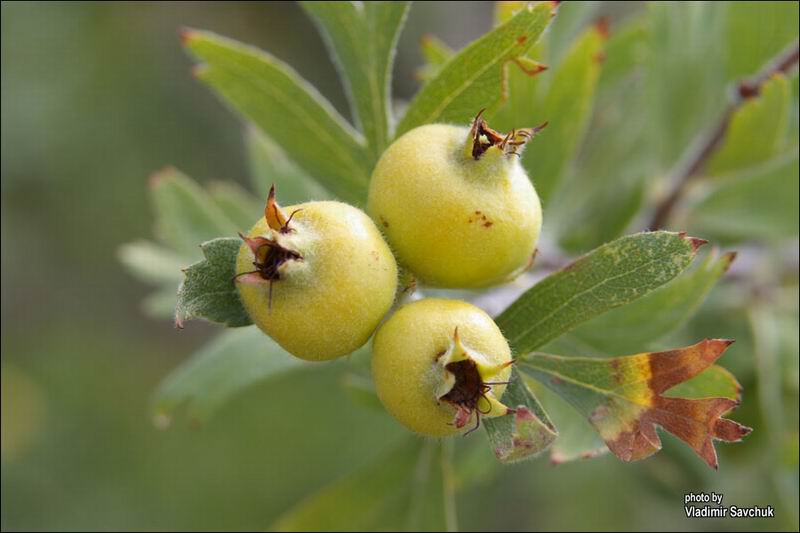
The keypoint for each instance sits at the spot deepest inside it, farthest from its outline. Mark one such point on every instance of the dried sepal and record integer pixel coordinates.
(482, 138)
(276, 218)
(269, 251)
(466, 384)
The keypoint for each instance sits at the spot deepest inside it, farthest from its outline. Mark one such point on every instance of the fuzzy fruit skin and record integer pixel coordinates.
(404, 356)
(452, 220)
(328, 304)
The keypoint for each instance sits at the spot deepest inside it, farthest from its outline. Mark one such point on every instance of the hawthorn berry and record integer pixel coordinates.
(440, 365)
(456, 205)
(316, 277)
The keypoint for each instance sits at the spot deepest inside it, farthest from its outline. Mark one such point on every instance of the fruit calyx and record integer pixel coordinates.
(268, 251)
(276, 218)
(482, 137)
(466, 384)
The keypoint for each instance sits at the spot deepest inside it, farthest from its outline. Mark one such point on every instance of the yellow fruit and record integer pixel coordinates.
(439, 365)
(456, 204)
(318, 281)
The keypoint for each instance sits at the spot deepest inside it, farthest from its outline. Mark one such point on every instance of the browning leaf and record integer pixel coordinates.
(622, 398)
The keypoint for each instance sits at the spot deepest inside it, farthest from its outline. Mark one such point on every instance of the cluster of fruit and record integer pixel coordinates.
(458, 211)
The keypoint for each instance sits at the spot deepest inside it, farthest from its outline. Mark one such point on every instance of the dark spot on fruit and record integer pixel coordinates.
(384, 222)
(599, 57)
(521, 39)
(477, 212)
(603, 27)
(487, 224)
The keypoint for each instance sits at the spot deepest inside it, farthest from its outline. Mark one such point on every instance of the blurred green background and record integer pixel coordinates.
(95, 98)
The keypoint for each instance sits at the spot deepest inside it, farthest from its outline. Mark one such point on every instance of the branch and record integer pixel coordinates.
(700, 152)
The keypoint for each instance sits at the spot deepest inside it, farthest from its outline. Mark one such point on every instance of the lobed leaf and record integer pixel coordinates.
(160, 304)
(154, 264)
(209, 290)
(151, 262)
(608, 277)
(362, 37)
(623, 398)
(276, 99)
(526, 433)
(269, 165)
(185, 214)
(224, 367)
(475, 77)
(239, 205)
(714, 382)
(577, 439)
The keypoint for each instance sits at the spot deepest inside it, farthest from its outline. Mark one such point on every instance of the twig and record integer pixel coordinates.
(692, 165)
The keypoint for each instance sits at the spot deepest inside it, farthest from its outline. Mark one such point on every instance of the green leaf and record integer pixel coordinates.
(160, 303)
(185, 214)
(572, 19)
(567, 107)
(625, 50)
(270, 166)
(362, 37)
(524, 434)
(576, 437)
(157, 265)
(436, 54)
(432, 505)
(759, 203)
(610, 276)
(233, 361)
(685, 75)
(757, 129)
(611, 210)
(755, 32)
(597, 198)
(151, 262)
(276, 99)
(474, 78)
(239, 206)
(623, 398)
(652, 317)
(401, 490)
(361, 390)
(209, 290)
